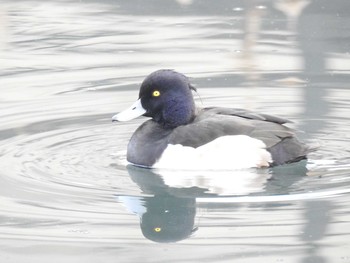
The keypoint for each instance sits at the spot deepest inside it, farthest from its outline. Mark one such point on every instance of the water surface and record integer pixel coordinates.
(67, 193)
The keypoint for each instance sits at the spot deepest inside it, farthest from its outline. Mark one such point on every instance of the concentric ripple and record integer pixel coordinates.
(86, 155)
(65, 158)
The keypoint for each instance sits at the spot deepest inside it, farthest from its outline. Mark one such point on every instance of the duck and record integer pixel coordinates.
(181, 135)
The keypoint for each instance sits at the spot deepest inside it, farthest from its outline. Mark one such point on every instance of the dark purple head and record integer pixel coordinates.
(167, 97)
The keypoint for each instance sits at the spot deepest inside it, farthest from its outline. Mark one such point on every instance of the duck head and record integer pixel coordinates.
(166, 97)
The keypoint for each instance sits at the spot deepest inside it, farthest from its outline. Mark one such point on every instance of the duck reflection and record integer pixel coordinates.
(168, 213)
(164, 218)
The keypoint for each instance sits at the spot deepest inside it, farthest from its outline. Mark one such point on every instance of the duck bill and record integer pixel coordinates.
(133, 112)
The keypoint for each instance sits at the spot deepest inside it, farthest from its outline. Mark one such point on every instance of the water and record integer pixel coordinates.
(66, 192)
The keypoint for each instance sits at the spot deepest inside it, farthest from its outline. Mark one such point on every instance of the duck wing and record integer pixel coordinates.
(212, 123)
(241, 113)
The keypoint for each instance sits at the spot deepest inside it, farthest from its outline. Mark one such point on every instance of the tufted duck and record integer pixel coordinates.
(179, 135)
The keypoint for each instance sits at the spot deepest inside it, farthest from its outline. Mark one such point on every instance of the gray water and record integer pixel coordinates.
(67, 194)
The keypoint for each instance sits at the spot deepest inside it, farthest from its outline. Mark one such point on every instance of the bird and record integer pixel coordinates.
(181, 135)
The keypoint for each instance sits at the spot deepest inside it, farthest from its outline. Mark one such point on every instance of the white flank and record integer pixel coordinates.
(224, 153)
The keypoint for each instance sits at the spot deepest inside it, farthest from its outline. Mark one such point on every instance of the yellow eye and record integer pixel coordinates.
(156, 93)
(157, 229)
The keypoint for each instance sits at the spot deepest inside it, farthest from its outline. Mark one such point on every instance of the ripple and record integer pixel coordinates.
(278, 198)
(86, 155)
(79, 158)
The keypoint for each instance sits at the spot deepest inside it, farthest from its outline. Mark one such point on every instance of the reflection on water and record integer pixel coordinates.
(167, 212)
(164, 218)
(66, 192)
